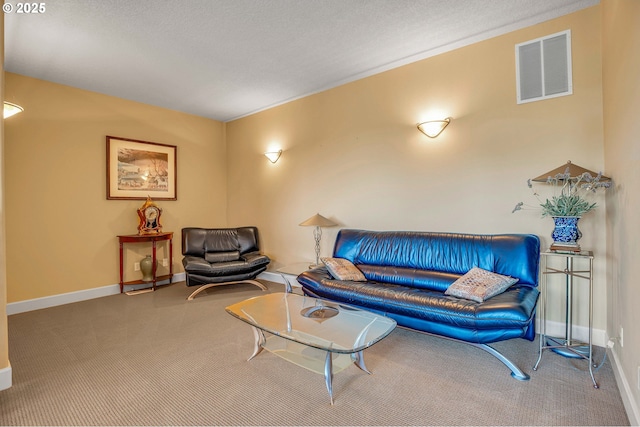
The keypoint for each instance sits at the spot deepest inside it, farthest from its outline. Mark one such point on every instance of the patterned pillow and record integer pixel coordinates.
(343, 269)
(479, 285)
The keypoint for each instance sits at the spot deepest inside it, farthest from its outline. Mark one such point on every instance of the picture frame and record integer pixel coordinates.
(138, 169)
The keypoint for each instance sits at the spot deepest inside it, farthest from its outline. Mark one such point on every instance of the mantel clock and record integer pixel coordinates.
(149, 218)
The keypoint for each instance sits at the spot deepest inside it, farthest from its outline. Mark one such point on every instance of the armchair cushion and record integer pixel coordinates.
(222, 256)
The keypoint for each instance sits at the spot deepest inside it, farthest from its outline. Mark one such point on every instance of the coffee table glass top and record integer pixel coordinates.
(314, 322)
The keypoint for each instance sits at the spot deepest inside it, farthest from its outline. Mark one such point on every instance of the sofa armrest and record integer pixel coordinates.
(315, 275)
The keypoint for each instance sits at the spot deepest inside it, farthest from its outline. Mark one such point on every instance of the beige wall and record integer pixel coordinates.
(61, 229)
(621, 47)
(354, 155)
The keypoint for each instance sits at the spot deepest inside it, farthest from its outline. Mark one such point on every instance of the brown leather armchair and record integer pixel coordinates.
(222, 256)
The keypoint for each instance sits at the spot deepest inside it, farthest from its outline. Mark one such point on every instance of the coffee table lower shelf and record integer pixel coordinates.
(306, 357)
(319, 361)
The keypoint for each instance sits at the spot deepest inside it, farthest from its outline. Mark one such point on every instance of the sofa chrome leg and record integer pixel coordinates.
(211, 285)
(515, 371)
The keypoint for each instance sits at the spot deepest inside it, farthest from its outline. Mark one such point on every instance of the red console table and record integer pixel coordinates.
(136, 238)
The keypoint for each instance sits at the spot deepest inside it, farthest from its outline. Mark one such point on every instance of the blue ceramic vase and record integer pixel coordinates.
(566, 230)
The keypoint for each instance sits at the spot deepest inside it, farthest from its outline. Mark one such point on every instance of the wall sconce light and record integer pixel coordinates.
(273, 156)
(433, 128)
(11, 109)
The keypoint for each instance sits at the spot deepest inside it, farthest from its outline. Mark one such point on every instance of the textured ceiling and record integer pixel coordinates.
(225, 59)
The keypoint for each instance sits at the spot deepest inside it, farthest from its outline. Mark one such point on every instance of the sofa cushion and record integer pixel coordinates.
(343, 269)
(511, 309)
(479, 285)
(421, 279)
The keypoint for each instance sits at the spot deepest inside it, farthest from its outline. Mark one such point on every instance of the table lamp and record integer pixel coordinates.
(318, 221)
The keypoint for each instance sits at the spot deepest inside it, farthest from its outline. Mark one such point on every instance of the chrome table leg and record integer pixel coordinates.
(328, 374)
(358, 359)
(259, 341)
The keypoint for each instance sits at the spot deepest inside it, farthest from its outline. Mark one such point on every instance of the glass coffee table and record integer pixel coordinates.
(322, 336)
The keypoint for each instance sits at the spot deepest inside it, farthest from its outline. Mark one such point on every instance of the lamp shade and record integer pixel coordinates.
(574, 171)
(318, 221)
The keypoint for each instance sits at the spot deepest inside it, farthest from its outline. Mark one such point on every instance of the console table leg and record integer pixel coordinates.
(154, 265)
(593, 380)
(121, 269)
(170, 261)
(535, 367)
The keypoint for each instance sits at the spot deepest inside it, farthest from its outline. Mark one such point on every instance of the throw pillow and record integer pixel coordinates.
(343, 269)
(479, 285)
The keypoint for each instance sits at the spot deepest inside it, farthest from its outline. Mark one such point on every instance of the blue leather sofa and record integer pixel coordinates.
(408, 272)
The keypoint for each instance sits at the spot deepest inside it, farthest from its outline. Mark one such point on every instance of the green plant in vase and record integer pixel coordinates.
(566, 205)
(569, 201)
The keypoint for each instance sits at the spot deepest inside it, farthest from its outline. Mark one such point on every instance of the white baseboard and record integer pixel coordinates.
(70, 297)
(272, 277)
(630, 405)
(580, 333)
(67, 298)
(5, 378)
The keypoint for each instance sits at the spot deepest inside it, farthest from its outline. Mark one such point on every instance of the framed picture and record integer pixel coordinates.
(140, 169)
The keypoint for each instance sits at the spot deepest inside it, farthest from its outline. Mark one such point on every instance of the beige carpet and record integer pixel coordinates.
(157, 359)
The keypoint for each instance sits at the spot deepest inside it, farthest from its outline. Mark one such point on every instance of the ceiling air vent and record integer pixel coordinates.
(543, 68)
